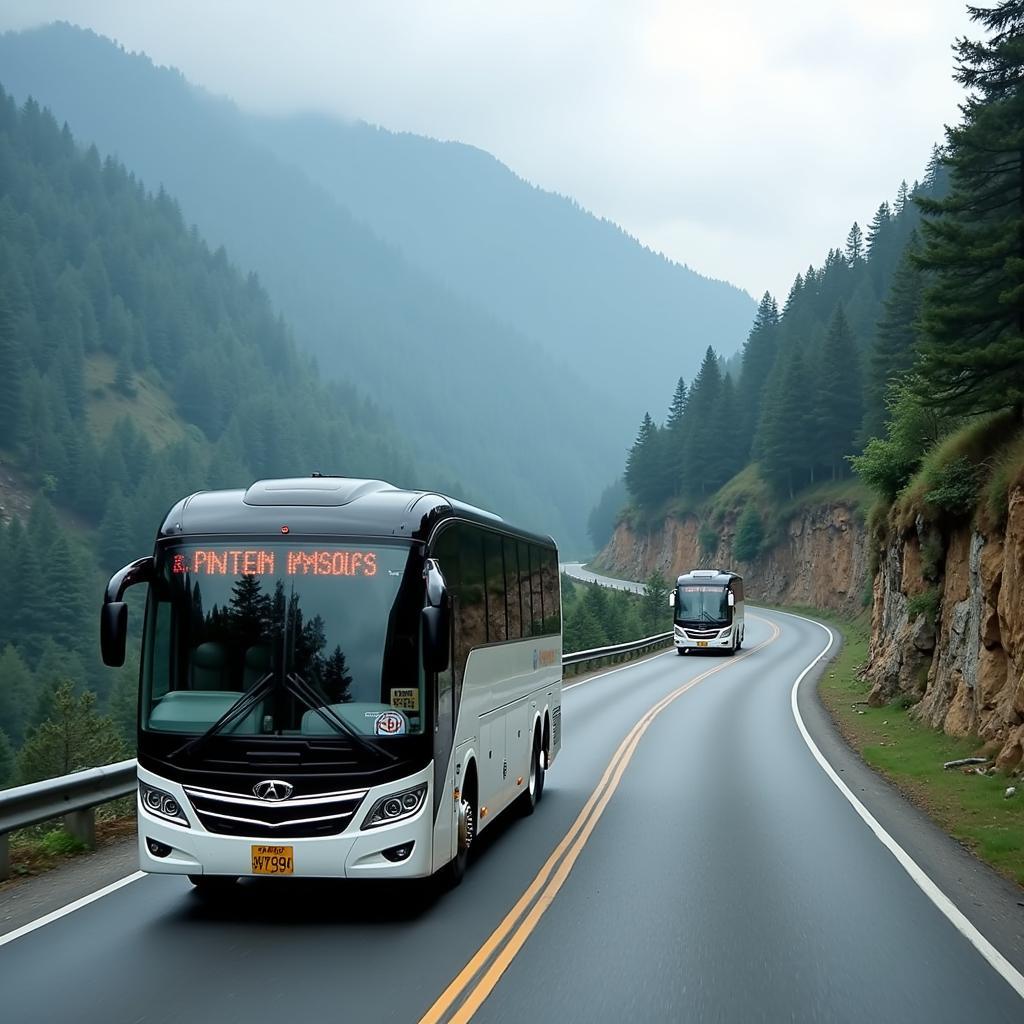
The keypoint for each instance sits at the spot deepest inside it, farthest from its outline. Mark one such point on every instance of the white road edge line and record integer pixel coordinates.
(71, 907)
(945, 905)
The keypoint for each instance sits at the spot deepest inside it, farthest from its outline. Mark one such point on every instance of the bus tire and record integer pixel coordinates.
(530, 797)
(455, 870)
(680, 652)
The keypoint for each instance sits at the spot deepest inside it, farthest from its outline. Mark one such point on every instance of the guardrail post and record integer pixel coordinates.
(5, 858)
(82, 825)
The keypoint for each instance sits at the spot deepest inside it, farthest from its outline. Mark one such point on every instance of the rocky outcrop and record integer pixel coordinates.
(948, 630)
(789, 571)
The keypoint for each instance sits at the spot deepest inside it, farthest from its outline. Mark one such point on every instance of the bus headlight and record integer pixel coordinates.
(396, 806)
(162, 804)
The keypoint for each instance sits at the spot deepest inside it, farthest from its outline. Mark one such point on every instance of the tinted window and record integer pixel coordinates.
(496, 626)
(525, 588)
(471, 611)
(535, 584)
(550, 590)
(512, 598)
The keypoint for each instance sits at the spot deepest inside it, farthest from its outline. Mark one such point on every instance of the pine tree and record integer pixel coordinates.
(759, 354)
(6, 761)
(73, 737)
(902, 196)
(703, 445)
(643, 468)
(879, 226)
(972, 321)
(784, 442)
(855, 245)
(673, 442)
(838, 406)
(17, 694)
(892, 352)
(656, 615)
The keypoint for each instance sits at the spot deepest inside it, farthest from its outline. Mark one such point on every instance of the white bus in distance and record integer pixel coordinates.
(708, 611)
(339, 678)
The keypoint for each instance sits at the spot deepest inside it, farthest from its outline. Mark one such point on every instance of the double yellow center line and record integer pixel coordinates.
(474, 983)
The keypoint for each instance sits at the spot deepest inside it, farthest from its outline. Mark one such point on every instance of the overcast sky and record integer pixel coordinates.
(742, 141)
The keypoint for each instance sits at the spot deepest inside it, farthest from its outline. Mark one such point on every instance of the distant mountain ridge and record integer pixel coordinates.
(576, 283)
(472, 332)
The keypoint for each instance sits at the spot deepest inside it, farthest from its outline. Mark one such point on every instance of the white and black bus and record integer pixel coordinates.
(708, 611)
(339, 678)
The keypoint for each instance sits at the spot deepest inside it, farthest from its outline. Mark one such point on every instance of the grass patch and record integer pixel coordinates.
(973, 445)
(150, 406)
(911, 754)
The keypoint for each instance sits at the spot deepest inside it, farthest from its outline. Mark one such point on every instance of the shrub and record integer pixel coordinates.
(926, 604)
(954, 488)
(707, 537)
(59, 843)
(749, 535)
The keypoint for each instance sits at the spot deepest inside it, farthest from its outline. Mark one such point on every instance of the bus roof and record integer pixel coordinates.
(709, 577)
(320, 504)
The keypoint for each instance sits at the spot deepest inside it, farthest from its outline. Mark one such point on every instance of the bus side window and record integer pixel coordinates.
(526, 591)
(472, 617)
(512, 596)
(550, 591)
(497, 627)
(535, 582)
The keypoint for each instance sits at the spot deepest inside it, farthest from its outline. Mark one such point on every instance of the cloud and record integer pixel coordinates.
(742, 140)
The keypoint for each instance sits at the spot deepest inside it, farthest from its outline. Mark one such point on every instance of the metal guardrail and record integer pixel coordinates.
(614, 650)
(71, 796)
(74, 796)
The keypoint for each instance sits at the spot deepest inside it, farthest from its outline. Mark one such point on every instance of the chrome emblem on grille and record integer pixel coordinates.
(273, 789)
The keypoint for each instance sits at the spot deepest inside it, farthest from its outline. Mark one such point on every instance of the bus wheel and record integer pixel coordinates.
(455, 870)
(535, 783)
(680, 651)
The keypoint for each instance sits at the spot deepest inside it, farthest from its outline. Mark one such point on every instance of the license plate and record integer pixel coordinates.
(273, 860)
(702, 643)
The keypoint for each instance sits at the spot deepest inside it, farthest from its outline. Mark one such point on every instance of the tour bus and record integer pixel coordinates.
(708, 606)
(338, 678)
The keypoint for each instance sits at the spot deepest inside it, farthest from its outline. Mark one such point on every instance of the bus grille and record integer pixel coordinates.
(701, 634)
(228, 815)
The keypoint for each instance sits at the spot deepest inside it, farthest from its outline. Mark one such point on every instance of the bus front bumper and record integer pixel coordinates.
(168, 848)
(702, 642)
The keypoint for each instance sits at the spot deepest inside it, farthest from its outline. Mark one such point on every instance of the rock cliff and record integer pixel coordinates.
(788, 571)
(948, 629)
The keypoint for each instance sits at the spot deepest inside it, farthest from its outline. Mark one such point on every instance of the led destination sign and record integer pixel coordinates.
(265, 562)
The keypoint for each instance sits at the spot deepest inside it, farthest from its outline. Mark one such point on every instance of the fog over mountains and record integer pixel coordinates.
(479, 312)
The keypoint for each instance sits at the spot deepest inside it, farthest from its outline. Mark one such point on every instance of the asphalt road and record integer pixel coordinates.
(696, 864)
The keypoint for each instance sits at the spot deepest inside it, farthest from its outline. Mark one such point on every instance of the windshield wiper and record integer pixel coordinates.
(242, 706)
(314, 701)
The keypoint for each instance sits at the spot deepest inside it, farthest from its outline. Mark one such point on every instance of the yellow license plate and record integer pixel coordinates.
(702, 643)
(273, 860)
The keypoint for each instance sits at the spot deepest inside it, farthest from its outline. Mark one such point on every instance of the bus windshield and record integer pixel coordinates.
(284, 639)
(695, 603)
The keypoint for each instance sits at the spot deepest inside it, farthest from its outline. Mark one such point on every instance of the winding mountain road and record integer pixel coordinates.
(692, 860)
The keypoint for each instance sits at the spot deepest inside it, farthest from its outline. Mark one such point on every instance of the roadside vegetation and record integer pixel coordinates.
(971, 806)
(596, 616)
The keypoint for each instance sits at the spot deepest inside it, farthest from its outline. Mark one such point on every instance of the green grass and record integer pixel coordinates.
(150, 407)
(979, 442)
(969, 807)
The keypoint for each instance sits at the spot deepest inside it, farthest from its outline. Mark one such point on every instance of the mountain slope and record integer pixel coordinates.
(470, 392)
(577, 284)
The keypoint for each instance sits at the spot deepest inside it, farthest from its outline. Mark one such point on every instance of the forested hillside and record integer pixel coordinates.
(136, 365)
(814, 379)
(464, 375)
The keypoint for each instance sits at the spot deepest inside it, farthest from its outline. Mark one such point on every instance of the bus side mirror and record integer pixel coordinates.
(732, 599)
(436, 638)
(114, 613)
(113, 632)
(672, 599)
(436, 619)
